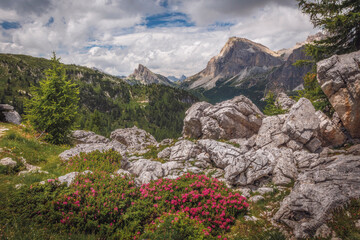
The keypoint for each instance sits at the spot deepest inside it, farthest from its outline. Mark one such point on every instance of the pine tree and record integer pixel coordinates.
(53, 107)
(340, 19)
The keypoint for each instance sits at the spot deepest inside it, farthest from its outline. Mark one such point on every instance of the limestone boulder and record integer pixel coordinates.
(328, 184)
(283, 101)
(192, 125)
(181, 151)
(329, 131)
(235, 118)
(302, 124)
(133, 138)
(8, 114)
(339, 77)
(85, 137)
(91, 147)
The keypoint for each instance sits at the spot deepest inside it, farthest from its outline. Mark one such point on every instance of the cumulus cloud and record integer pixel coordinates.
(171, 37)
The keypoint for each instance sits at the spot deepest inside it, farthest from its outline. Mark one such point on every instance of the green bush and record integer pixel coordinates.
(272, 107)
(108, 161)
(176, 227)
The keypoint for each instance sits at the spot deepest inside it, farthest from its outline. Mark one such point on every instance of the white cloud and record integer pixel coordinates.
(110, 35)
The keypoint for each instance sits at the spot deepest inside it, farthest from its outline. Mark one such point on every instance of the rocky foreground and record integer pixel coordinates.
(254, 150)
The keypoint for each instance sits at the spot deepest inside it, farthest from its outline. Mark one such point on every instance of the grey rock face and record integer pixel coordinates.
(220, 154)
(181, 151)
(329, 131)
(69, 178)
(284, 101)
(133, 138)
(271, 133)
(301, 123)
(193, 127)
(85, 137)
(235, 118)
(339, 77)
(8, 114)
(87, 148)
(318, 191)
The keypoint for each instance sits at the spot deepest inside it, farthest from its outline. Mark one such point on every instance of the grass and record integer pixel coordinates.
(344, 219)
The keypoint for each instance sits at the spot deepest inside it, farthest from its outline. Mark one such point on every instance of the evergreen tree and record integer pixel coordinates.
(272, 107)
(53, 107)
(340, 19)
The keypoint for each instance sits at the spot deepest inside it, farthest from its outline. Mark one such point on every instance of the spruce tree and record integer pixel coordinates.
(340, 19)
(53, 107)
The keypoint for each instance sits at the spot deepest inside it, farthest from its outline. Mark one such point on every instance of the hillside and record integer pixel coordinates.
(248, 68)
(106, 102)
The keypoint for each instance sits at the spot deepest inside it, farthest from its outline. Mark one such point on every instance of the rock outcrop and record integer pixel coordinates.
(339, 77)
(91, 147)
(8, 114)
(133, 138)
(318, 191)
(86, 137)
(235, 118)
(284, 101)
(254, 150)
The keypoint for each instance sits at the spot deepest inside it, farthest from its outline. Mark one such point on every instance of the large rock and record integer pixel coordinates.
(329, 131)
(339, 77)
(318, 191)
(302, 125)
(192, 124)
(235, 118)
(133, 138)
(253, 166)
(220, 154)
(85, 137)
(283, 101)
(8, 114)
(181, 151)
(90, 147)
(271, 133)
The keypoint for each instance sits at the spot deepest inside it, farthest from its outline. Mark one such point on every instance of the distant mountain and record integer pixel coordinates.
(144, 76)
(175, 79)
(248, 68)
(106, 102)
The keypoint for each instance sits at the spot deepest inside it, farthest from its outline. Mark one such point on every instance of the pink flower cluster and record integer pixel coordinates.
(205, 199)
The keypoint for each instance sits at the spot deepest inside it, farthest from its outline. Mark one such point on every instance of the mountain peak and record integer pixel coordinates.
(238, 58)
(145, 76)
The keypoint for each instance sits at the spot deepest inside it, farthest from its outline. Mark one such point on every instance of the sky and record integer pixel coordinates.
(170, 37)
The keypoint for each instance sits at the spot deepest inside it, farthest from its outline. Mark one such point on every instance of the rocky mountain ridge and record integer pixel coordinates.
(249, 68)
(144, 76)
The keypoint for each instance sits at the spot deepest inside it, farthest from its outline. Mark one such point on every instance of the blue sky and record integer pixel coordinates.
(171, 37)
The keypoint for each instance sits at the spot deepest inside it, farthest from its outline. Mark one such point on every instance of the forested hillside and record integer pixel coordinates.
(106, 102)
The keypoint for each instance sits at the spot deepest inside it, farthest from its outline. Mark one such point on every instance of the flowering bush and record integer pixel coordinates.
(113, 207)
(204, 199)
(108, 161)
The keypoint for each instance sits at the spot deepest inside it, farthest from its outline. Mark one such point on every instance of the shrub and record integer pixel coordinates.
(113, 207)
(177, 226)
(108, 161)
(272, 107)
(205, 199)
